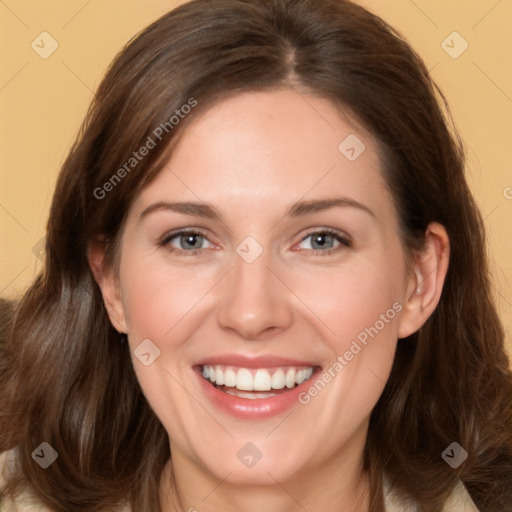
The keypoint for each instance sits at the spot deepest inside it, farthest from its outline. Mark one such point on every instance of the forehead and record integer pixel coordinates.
(256, 150)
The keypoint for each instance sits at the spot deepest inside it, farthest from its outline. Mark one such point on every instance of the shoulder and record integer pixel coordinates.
(458, 501)
(24, 502)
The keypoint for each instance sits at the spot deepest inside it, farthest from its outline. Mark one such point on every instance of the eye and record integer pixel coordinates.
(190, 242)
(323, 241)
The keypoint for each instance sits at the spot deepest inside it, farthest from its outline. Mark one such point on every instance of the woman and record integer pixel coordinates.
(331, 343)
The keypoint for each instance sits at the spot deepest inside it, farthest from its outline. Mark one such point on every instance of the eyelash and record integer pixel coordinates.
(344, 241)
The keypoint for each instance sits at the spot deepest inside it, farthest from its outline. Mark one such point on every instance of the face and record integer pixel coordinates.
(266, 257)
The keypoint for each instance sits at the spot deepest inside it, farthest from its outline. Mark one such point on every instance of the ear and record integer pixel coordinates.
(426, 281)
(108, 283)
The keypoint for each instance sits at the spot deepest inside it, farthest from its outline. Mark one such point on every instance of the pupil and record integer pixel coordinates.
(190, 239)
(320, 240)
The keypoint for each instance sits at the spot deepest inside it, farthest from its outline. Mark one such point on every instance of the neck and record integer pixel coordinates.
(336, 485)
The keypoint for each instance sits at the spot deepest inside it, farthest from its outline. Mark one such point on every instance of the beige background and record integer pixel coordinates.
(43, 101)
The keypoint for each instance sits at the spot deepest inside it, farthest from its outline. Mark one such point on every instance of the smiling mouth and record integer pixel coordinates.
(255, 383)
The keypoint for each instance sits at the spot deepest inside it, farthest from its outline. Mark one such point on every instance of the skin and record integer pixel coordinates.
(251, 157)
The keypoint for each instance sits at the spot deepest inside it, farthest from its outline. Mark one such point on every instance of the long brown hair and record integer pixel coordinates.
(70, 382)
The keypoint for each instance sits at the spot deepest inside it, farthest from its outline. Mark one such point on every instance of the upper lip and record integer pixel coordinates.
(262, 361)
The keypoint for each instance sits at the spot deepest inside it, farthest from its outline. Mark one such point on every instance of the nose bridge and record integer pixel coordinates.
(254, 299)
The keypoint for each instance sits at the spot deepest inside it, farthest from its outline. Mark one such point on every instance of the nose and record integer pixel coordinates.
(255, 302)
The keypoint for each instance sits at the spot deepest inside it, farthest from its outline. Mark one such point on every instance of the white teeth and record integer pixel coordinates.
(261, 379)
(219, 376)
(303, 375)
(230, 378)
(290, 378)
(251, 395)
(278, 381)
(244, 380)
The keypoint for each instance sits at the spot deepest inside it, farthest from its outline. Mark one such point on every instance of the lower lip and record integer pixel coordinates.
(258, 408)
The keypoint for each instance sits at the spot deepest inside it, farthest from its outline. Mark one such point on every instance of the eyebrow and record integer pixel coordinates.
(299, 209)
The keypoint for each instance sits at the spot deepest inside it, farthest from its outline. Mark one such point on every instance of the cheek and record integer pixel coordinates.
(359, 312)
(359, 308)
(161, 306)
(364, 312)
(157, 297)
(356, 302)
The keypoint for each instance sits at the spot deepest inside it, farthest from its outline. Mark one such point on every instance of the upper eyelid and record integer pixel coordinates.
(173, 234)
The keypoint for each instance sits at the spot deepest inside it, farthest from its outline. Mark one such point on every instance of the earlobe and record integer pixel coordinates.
(426, 282)
(108, 284)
